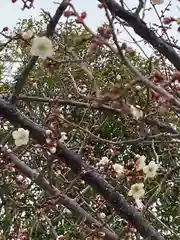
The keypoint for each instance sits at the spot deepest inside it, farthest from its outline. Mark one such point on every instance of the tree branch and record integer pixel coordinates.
(142, 30)
(69, 203)
(89, 175)
(104, 108)
(20, 81)
(139, 7)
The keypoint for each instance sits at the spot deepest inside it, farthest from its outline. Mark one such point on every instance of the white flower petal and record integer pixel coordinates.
(137, 190)
(42, 47)
(15, 134)
(135, 112)
(52, 150)
(102, 215)
(145, 169)
(103, 161)
(130, 193)
(151, 169)
(27, 35)
(119, 169)
(48, 132)
(20, 136)
(140, 163)
(139, 204)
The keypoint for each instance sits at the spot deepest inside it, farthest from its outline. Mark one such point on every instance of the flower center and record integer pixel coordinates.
(136, 189)
(22, 136)
(150, 169)
(42, 48)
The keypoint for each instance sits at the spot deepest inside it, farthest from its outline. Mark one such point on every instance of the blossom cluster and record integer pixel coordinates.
(150, 170)
(137, 190)
(21, 137)
(41, 46)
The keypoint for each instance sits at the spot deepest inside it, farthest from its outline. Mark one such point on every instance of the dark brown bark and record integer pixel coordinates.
(114, 198)
(59, 197)
(143, 31)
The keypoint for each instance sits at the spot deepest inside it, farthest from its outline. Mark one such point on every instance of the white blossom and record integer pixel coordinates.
(175, 140)
(35, 85)
(138, 87)
(140, 163)
(42, 47)
(119, 169)
(27, 35)
(136, 113)
(20, 136)
(9, 150)
(66, 210)
(102, 215)
(137, 190)
(58, 173)
(19, 178)
(157, 2)
(103, 161)
(48, 132)
(48, 140)
(52, 150)
(118, 77)
(63, 137)
(139, 204)
(151, 169)
(6, 147)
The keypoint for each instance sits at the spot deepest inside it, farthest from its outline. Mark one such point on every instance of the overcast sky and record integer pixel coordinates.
(10, 13)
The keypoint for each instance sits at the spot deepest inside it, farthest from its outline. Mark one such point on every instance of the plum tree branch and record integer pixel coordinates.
(88, 174)
(143, 31)
(169, 97)
(139, 7)
(63, 199)
(104, 108)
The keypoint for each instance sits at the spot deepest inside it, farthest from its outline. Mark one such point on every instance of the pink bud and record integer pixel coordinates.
(5, 29)
(79, 20)
(168, 20)
(100, 5)
(19, 178)
(83, 15)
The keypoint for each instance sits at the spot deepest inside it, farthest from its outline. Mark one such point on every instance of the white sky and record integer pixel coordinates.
(10, 13)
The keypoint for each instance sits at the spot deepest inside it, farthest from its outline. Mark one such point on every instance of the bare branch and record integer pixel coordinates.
(139, 7)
